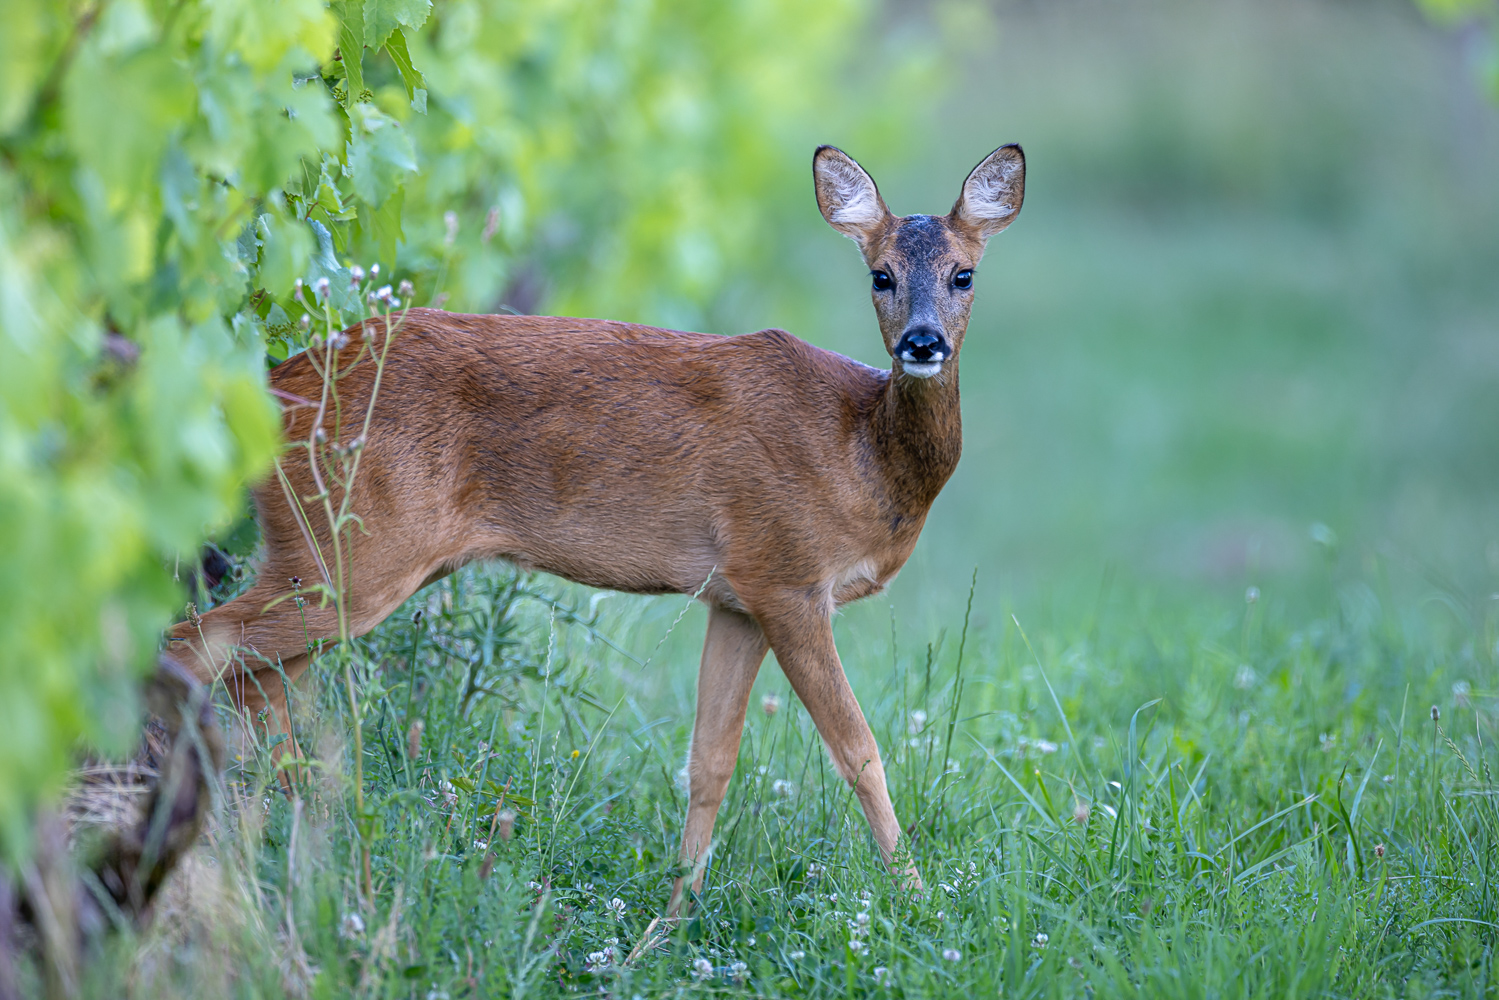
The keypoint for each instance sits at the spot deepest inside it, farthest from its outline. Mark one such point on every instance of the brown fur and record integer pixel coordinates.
(642, 460)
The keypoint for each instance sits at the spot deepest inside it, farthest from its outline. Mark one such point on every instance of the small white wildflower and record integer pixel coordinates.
(1252, 595)
(880, 972)
(941, 915)
(1080, 813)
(797, 956)
(1245, 678)
(702, 969)
(534, 886)
(814, 870)
(1328, 741)
(320, 286)
(857, 946)
(918, 722)
(1461, 690)
(406, 289)
(1041, 939)
(480, 847)
(782, 788)
(449, 794)
(384, 294)
(738, 972)
(351, 927)
(952, 954)
(770, 704)
(356, 275)
(374, 270)
(832, 897)
(617, 905)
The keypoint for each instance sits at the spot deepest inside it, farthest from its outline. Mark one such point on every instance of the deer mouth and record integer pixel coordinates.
(920, 369)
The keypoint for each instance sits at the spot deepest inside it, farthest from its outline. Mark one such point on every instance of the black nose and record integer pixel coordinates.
(921, 344)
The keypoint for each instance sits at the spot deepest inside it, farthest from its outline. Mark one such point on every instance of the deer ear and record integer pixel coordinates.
(847, 195)
(992, 193)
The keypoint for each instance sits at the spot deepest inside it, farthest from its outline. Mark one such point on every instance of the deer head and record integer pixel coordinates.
(921, 266)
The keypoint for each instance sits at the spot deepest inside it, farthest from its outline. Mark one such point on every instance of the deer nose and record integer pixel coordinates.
(922, 345)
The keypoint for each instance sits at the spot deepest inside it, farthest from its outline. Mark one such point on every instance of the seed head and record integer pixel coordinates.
(406, 288)
(1081, 812)
(356, 275)
(952, 954)
(507, 824)
(374, 270)
(296, 291)
(414, 740)
(770, 704)
(1379, 850)
(1436, 713)
(321, 287)
(305, 322)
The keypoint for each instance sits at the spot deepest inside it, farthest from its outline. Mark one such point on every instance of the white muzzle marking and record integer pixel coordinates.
(921, 369)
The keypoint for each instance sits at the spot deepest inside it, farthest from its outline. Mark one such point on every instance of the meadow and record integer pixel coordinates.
(1232, 800)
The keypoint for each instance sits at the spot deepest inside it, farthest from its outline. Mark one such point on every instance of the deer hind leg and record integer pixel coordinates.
(248, 644)
(732, 653)
(801, 634)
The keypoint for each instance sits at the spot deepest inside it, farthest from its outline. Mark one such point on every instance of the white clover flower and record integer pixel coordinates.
(797, 956)
(880, 972)
(351, 927)
(952, 954)
(1040, 940)
(617, 905)
(782, 788)
(702, 969)
(738, 972)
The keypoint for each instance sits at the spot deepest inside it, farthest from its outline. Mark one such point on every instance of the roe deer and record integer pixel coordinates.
(789, 478)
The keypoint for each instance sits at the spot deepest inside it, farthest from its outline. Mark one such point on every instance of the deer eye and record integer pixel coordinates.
(883, 282)
(963, 279)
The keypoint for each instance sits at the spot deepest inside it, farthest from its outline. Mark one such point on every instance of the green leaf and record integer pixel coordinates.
(384, 225)
(416, 84)
(382, 17)
(380, 154)
(351, 39)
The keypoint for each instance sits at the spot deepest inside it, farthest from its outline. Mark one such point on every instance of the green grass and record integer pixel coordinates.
(1153, 799)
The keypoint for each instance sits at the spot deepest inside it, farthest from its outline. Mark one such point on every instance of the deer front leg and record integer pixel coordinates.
(802, 636)
(732, 653)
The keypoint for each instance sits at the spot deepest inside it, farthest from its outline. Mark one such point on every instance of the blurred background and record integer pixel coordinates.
(1246, 329)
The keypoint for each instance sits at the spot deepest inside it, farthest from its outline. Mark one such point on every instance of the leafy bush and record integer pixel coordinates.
(169, 171)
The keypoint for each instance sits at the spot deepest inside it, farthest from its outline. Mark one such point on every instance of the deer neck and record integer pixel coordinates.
(917, 431)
